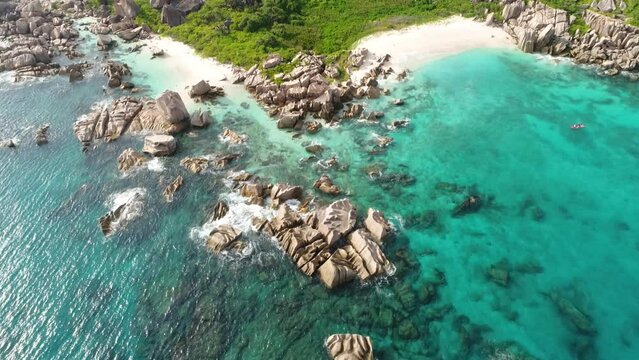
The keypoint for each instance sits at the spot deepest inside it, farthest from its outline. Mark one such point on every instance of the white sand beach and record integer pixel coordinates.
(414, 46)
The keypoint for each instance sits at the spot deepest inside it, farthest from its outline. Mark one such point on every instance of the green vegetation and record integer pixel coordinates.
(287, 26)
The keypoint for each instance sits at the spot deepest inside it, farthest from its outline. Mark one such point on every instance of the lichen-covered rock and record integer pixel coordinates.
(160, 145)
(130, 159)
(349, 347)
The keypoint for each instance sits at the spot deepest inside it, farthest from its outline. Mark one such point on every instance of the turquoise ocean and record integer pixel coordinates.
(556, 241)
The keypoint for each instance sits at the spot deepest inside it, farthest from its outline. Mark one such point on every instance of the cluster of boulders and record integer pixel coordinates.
(166, 115)
(121, 25)
(174, 12)
(325, 241)
(203, 91)
(610, 43)
(308, 89)
(349, 347)
(115, 72)
(35, 33)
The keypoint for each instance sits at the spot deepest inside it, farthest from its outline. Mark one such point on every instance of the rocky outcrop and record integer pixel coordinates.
(116, 71)
(318, 241)
(306, 90)
(130, 159)
(160, 145)
(34, 34)
(224, 237)
(537, 27)
(7, 143)
(349, 347)
(174, 12)
(610, 43)
(174, 186)
(123, 115)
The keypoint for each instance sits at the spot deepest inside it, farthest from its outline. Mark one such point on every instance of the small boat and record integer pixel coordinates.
(577, 126)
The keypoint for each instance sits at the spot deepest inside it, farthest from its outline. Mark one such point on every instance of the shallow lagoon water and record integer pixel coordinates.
(558, 215)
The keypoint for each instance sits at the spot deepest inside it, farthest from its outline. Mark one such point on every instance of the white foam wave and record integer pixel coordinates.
(134, 200)
(239, 216)
(155, 165)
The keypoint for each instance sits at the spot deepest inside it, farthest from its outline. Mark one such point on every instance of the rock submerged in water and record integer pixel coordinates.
(174, 186)
(200, 119)
(233, 137)
(160, 145)
(42, 135)
(349, 347)
(130, 159)
(470, 205)
(117, 215)
(578, 318)
(7, 143)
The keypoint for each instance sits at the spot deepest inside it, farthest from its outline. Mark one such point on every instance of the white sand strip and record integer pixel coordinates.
(414, 46)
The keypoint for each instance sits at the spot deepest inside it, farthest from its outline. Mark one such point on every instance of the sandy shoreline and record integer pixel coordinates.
(409, 48)
(414, 46)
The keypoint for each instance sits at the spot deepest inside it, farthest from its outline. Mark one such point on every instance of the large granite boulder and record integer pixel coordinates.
(126, 8)
(337, 220)
(283, 192)
(349, 347)
(172, 106)
(199, 89)
(189, 6)
(160, 145)
(171, 16)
